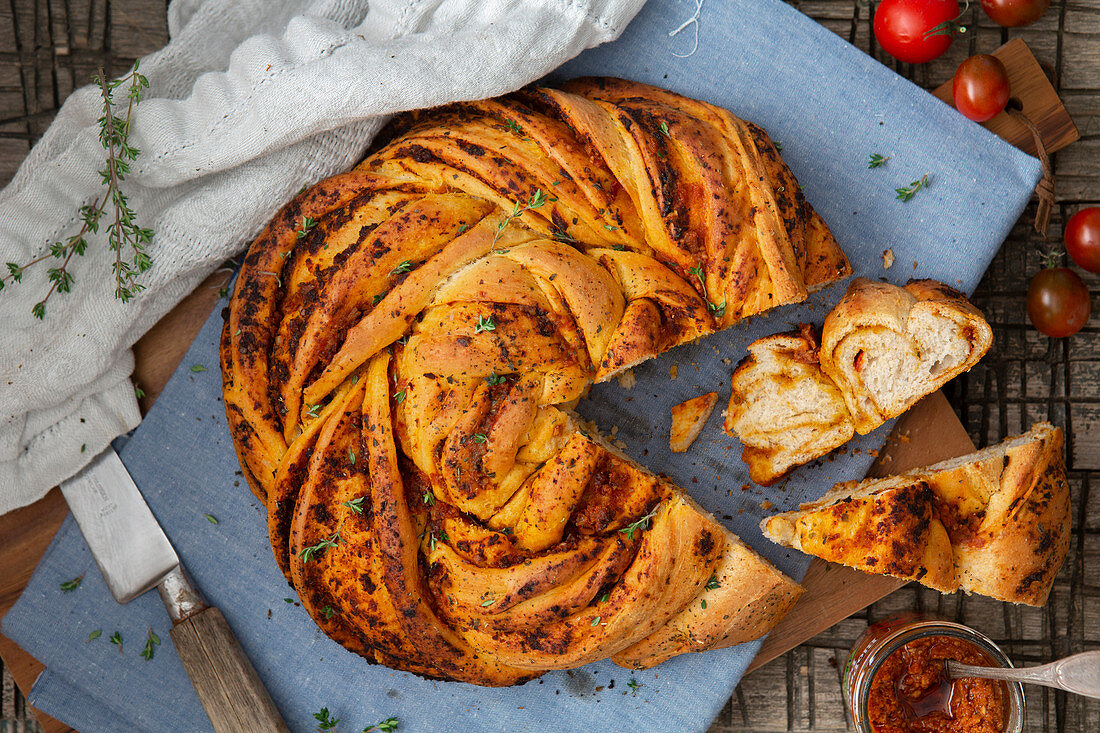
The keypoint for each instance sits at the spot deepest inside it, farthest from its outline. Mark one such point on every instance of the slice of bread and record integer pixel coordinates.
(783, 408)
(886, 347)
(995, 522)
(883, 348)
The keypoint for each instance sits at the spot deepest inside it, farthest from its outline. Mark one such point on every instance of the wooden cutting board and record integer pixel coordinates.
(928, 433)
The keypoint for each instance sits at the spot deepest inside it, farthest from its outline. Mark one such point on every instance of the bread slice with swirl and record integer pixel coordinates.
(882, 349)
(405, 343)
(785, 410)
(885, 347)
(995, 522)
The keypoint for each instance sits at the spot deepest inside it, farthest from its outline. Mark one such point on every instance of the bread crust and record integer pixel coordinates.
(405, 342)
(996, 522)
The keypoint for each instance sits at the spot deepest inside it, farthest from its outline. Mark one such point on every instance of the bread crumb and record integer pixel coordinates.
(614, 430)
(627, 380)
(727, 360)
(673, 371)
(766, 505)
(887, 259)
(914, 264)
(688, 419)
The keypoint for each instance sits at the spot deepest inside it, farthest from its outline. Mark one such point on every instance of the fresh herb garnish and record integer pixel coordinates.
(907, 192)
(329, 611)
(314, 551)
(307, 225)
(152, 641)
(313, 410)
(639, 525)
(596, 621)
(138, 391)
(489, 602)
(356, 505)
(877, 160)
(95, 634)
(485, 324)
(514, 127)
(378, 298)
(70, 585)
(386, 726)
(211, 518)
(713, 583)
(664, 128)
(698, 272)
(495, 379)
(325, 721)
(351, 456)
(703, 604)
(399, 397)
(537, 199)
(480, 437)
(116, 639)
(429, 498)
(634, 686)
(198, 368)
(406, 266)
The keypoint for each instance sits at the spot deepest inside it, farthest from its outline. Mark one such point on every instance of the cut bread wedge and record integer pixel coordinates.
(882, 349)
(995, 522)
(783, 408)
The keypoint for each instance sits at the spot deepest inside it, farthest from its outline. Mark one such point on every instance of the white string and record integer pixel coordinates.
(694, 19)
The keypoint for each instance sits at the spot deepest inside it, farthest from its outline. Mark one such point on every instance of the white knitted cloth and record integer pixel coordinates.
(249, 101)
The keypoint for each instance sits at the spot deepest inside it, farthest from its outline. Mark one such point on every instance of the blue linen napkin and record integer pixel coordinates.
(830, 106)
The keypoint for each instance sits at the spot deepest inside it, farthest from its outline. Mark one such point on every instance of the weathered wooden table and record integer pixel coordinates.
(47, 47)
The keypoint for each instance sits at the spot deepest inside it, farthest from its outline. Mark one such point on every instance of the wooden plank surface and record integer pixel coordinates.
(49, 46)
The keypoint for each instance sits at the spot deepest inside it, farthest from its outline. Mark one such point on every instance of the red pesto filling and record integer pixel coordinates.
(910, 692)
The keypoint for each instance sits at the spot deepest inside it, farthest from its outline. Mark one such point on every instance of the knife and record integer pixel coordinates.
(134, 555)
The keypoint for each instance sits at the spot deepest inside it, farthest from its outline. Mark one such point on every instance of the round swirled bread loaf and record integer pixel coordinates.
(405, 342)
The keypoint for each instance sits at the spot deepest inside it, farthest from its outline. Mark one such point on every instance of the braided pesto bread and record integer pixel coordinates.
(405, 342)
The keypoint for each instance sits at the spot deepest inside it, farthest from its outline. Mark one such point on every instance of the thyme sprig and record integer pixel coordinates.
(877, 160)
(123, 232)
(315, 551)
(150, 643)
(386, 726)
(907, 192)
(639, 525)
(325, 721)
(536, 200)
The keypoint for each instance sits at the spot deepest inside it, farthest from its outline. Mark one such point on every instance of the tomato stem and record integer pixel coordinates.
(950, 27)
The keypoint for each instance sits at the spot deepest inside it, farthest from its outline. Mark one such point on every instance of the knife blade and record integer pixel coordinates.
(134, 555)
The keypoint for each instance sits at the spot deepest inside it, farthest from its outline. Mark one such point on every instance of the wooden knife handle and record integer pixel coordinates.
(230, 690)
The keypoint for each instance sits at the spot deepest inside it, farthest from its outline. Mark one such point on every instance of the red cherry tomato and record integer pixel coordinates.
(980, 87)
(1014, 13)
(1058, 302)
(1083, 238)
(903, 28)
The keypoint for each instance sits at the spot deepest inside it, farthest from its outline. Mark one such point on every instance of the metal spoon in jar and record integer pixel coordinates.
(1079, 674)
